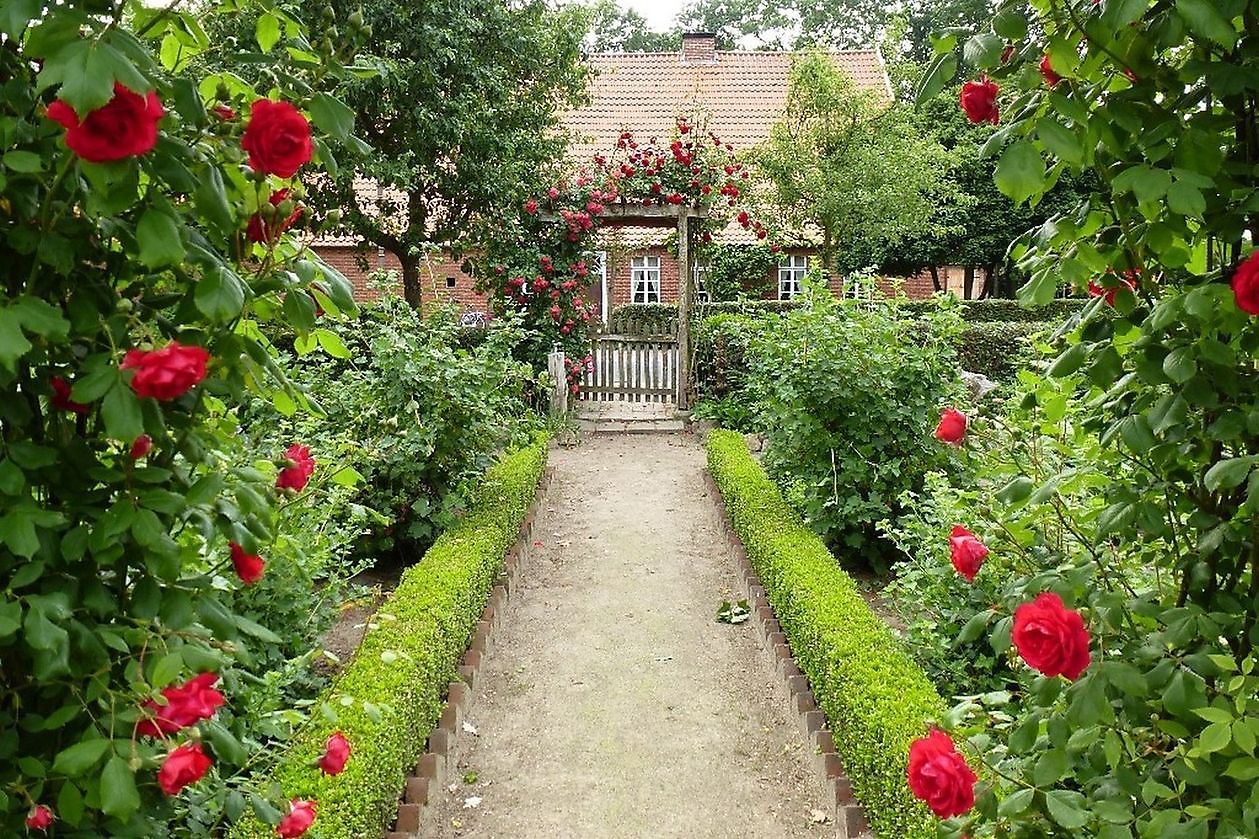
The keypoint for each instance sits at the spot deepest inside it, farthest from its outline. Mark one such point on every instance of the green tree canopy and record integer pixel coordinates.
(612, 28)
(850, 164)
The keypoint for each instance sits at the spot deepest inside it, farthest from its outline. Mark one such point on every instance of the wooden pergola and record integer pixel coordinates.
(679, 216)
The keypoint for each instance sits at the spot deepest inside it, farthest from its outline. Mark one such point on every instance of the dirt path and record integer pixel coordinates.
(612, 704)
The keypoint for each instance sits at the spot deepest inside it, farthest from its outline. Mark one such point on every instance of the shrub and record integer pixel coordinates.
(876, 699)
(1002, 310)
(997, 349)
(736, 272)
(643, 319)
(847, 396)
(396, 683)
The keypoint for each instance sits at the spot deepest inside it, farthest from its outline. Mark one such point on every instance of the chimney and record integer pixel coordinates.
(699, 48)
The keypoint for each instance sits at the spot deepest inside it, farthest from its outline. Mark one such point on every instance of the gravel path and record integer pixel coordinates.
(612, 704)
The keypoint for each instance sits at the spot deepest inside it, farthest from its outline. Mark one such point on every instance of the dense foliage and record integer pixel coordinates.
(1135, 567)
(141, 543)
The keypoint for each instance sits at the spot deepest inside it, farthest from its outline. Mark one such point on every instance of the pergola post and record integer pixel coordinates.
(684, 309)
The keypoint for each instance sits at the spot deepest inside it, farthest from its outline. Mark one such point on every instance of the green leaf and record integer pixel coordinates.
(10, 618)
(121, 412)
(13, 344)
(220, 295)
(167, 669)
(1016, 802)
(332, 343)
(80, 757)
(15, 15)
(1060, 141)
(332, 116)
(23, 161)
(1226, 474)
(158, 235)
(1243, 768)
(939, 74)
(119, 796)
(41, 318)
(983, 50)
(1050, 766)
(1067, 808)
(1016, 490)
(1204, 19)
(17, 531)
(1215, 737)
(267, 31)
(347, 476)
(211, 200)
(1070, 361)
(1020, 172)
(70, 804)
(1186, 199)
(1180, 365)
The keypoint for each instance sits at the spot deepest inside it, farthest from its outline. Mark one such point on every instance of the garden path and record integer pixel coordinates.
(612, 704)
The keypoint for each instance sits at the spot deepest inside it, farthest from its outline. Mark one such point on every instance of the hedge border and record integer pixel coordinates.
(876, 699)
(426, 624)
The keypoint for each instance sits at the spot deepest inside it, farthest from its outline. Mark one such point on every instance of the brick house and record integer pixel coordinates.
(740, 94)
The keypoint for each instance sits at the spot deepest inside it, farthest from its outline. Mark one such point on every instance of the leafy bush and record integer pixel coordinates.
(643, 319)
(847, 395)
(398, 678)
(876, 699)
(738, 272)
(1003, 311)
(416, 417)
(997, 349)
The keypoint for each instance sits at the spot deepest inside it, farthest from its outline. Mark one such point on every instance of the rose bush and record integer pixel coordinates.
(1149, 725)
(131, 329)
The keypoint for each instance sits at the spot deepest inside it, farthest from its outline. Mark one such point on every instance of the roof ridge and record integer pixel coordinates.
(677, 53)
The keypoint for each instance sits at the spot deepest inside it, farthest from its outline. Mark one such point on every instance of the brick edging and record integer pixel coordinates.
(424, 785)
(850, 817)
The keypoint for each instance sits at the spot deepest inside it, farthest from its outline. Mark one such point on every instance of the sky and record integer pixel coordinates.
(659, 13)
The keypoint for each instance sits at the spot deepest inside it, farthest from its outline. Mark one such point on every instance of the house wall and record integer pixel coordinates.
(435, 275)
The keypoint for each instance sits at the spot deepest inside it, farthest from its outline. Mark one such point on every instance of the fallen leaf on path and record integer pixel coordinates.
(819, 816)
(472, 802)
(470, 728)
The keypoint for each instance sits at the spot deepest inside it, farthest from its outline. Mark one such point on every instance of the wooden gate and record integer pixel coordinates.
(632, 368)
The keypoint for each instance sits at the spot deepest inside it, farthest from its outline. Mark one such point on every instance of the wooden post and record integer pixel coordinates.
(559, 392)
(684, 309)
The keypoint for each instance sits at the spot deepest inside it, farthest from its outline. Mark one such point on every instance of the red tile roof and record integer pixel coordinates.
(739, 95)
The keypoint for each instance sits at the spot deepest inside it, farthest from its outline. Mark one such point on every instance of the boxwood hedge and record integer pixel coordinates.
(400, 672)
(875, 697)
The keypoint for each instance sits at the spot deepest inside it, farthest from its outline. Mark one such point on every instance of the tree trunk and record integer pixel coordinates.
(411, 290)
(968, 283)
(935, 278)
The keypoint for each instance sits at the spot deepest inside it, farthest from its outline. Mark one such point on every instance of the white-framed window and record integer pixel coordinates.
(791, 271)
(699, 274)
(645, 279)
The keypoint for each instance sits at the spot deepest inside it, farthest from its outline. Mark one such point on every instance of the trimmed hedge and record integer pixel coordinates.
(423, 629)
(997, 349)
(876, 698)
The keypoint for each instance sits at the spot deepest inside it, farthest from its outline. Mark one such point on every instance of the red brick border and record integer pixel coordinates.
(850, 817)
(424, 785)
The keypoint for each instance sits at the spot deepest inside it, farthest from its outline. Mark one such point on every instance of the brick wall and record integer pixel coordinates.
(620, 291)
(435, 276)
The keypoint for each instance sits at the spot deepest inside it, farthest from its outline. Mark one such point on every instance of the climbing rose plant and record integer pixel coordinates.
(1130, 612)
(542, 268)
(145, 245)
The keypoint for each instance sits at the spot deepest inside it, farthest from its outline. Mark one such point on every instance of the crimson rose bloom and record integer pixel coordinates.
(301, 816)
(277, 138)
(142, 446)
(123, 127)
(979, 101)
(1096, 289)
(167, 373)
(966, 551)
(1246, 285)
(1050, 637)
(301, 467)
(952, 427)
(61, 397)
(1047, 71)
(186, 765)
(940, 776)
(265, 233)
(186, 705)
(531, 206)
(249, 567)
(40, 817)
(336, 752)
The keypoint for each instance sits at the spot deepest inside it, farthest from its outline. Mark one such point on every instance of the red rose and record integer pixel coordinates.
(979, 101)
(966, 551)
(1246, 285)
(1096, 289)
(552, 193)
(61, 397)
(336, 752)
(940, 776)
(223, 112)
(167, 373)
(186, 705)
(265, 233)
(142, 446)
(40, 817)
(249, 567)
(952, 427)
(1050, 637)
(300, 817)
(531, 206)
(1047, 71)
(123, 127)
(297, 474)
(186, 765)
(277, 138)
